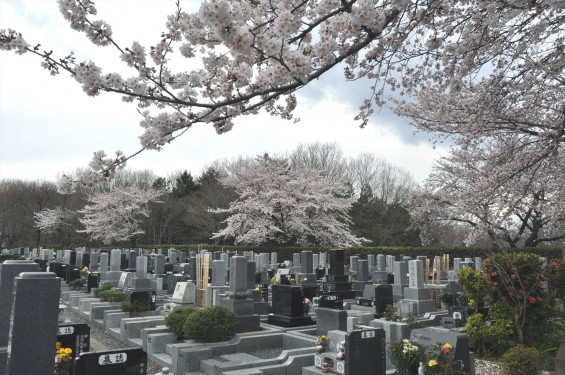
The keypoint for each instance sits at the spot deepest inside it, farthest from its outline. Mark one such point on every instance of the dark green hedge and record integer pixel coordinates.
(285, 252)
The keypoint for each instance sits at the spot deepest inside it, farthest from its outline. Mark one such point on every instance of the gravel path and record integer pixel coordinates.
(100, 341)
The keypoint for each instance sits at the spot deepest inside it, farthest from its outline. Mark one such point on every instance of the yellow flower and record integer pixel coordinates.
(432, 363)
(447, 346)
(324, 337)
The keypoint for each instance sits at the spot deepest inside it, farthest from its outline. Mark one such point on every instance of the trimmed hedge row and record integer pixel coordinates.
(285, 253)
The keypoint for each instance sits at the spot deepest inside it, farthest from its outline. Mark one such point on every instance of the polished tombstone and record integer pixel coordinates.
(335, 282)
(288, 307)
(237, 298)
(33, 324)
(8, 271)
(76, 337)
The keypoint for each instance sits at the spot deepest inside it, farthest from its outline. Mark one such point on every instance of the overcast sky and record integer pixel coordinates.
(49, 126)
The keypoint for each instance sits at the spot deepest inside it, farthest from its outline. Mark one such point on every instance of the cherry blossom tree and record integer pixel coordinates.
(278, 204)
(116, 215)
(253, 55)
(511, 212)
(60, 222)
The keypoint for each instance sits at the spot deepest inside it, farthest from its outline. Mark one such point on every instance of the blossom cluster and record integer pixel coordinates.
(256, 55)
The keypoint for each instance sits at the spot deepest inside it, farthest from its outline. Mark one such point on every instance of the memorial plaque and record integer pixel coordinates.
(365, 352)
(115, 362)
(76, 337)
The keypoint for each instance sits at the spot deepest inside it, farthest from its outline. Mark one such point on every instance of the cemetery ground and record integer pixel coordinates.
(193, 313)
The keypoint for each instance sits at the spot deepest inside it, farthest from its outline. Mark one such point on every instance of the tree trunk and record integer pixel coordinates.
(518, 327)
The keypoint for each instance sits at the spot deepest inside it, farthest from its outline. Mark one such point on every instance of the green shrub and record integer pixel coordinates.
(448, 297)
(212, 324)
(113, 296)
(101, 289)
(489, 340)
(474, 283)
(175, 320)
(78, 283)
(135, 306)
(521, 361)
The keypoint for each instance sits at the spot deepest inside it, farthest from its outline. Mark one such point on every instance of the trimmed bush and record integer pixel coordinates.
(521, 361)
(103, 288)
(135, 306)
(113, 296)
(212, 324)
(78, 283)
(176, 319)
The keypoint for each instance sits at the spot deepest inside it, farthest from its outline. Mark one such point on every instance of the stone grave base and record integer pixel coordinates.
(286, 321)
(248, 323)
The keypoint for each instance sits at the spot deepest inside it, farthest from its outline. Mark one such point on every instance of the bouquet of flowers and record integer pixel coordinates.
(405, 356)
(63, 359)
(321, 344)
(440, 360)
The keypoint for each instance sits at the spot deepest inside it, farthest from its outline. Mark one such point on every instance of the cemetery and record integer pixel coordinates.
(223, 313)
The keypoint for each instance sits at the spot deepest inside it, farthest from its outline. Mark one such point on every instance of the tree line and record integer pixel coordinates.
(182, 212)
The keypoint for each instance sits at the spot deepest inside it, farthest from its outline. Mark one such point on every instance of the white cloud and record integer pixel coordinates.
(49, 126)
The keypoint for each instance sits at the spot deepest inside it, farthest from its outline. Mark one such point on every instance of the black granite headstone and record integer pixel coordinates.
(331, 302)
(58, 269)
(383, 297)
(336, 262)
(146, 297)
(288, 307)
(93, 281)
(124, 262)
(86, 259)
(115, 362)
(74, 336)
(73, 258)
(72, 273)
(168, 269)
(365, 352)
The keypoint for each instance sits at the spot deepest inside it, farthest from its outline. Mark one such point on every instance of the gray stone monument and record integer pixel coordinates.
(353, 263)
(94, 261)
(8, 271)
(400, 280)
(417, 298)
(238, 295)
(380, 273)
(103, 262)
(33, 324)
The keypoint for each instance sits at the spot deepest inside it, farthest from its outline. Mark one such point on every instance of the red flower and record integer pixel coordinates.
(493, 273)
(539, 298)
(532, 300)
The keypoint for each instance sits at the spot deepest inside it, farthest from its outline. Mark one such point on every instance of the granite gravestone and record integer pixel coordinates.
(365, 352)
(115, 362)
(33, 323)
(288, 307)
(76, 337)
(8, 271)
